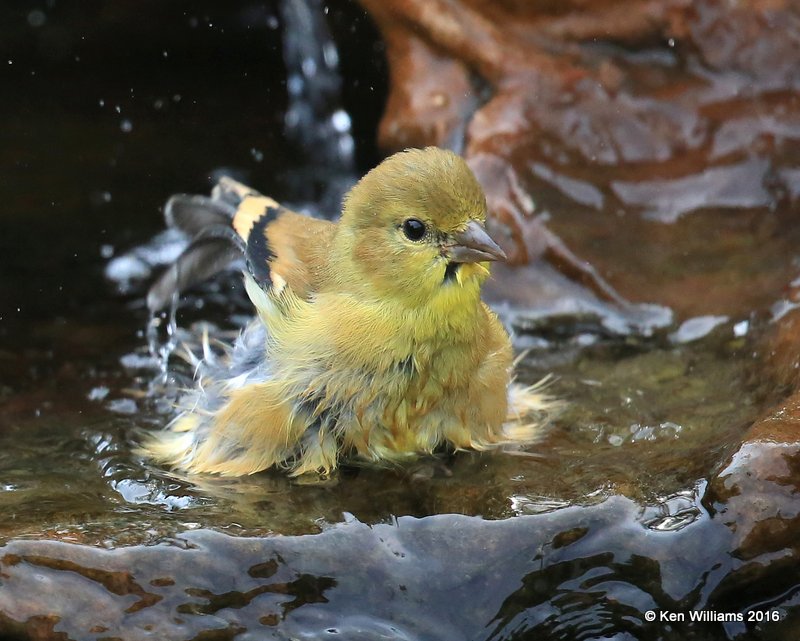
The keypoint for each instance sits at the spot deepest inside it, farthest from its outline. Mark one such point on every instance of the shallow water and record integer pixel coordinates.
(644, 421)
(625, 506)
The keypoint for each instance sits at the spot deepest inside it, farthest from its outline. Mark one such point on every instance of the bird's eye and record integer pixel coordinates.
(414, 229)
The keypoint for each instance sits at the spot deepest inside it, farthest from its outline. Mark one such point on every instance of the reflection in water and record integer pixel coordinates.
(577, 573)
(579, 561)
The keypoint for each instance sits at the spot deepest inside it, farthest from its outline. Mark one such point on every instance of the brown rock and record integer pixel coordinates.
(629, 99)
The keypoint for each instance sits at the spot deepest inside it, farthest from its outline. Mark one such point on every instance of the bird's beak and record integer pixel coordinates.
(474, 245)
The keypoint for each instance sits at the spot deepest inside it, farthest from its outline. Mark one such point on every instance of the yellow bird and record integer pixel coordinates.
(371, 338)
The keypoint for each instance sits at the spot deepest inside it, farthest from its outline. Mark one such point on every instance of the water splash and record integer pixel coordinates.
(314, 118)
(163, 324)
(315, 121)
(130, 270)
(676, 511)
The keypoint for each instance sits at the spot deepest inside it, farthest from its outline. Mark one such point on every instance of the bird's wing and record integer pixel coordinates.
(237, 224)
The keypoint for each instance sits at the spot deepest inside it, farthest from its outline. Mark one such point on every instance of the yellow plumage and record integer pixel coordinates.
(371, 338)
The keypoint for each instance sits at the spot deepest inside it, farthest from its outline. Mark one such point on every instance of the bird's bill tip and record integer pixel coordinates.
(474, 245)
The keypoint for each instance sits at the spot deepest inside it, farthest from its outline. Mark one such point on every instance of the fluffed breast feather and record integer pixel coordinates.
(370, 339)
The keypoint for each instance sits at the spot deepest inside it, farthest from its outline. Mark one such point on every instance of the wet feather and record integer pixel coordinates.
(370, 339)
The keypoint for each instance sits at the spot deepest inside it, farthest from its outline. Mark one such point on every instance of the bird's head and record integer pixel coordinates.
(414, 228)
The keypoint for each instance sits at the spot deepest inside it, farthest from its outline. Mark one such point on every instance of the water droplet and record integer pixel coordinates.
(346, 147)
(671, 42)
(741, 328)
(36, 18)
(665, 430)
(98, 393)
(341, 121)
(330, 54)
(292, 118)
(272, 22)
(100, 197)
(106, 251)
(163, 323)
(122, 406)
(101, 102)
(126, 126)
(309, 67)
(294, 84)
(135, 361)
(257, 154)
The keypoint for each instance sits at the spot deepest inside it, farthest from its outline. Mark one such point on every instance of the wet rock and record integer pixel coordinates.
(576, 572)
(755, 492)
(735, 186)
(755, 497)
(656, 110)
(780, 343)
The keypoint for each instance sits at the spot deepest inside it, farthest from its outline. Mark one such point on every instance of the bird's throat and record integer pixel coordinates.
(450, 272)
(460, 273)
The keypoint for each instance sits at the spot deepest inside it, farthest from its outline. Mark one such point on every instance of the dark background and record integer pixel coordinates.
(108, 108)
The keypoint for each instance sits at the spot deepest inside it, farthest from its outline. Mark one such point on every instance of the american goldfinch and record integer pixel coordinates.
(371, 339)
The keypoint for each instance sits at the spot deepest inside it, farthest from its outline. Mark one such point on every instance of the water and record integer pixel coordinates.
(641, 496)
(646, 423)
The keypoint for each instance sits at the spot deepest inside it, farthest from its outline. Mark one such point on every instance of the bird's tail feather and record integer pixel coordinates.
(192, 213)
(207, 255)
(218, 238)
(232, 192)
